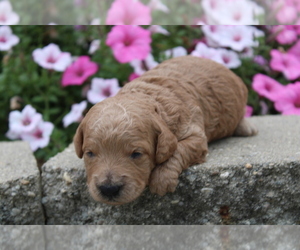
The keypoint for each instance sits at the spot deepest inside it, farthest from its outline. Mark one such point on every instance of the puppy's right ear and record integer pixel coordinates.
(78, 141)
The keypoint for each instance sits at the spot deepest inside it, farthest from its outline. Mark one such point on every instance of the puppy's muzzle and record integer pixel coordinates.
(110, 191)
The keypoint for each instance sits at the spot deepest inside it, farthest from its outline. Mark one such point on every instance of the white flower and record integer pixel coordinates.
(40, 136)
(96, 21)
(139, 65)
(102, 89)
(158, 5)
(22, 122)
(51, 57)
(7, 38)
(95, 44)
(158, 29)
(233, 12)
(230, 59)
(7, 16)
(75, 114)
(201, 50)
(176, 52)
(236, 37)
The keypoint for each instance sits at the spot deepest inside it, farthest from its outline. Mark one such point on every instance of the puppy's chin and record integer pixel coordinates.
(128, 194)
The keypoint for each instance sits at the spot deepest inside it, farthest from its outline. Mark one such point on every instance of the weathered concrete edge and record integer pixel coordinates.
(278, 202)
(20, 188)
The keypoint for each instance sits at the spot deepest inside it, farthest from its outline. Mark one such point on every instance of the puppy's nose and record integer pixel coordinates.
(109, 190)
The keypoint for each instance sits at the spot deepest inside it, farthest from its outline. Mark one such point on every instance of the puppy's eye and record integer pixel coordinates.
(135, 155)
(90, 154)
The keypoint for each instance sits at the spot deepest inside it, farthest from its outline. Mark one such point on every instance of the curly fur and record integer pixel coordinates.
(169, 115)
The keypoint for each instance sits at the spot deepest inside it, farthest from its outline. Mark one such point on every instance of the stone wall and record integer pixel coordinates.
(251, 180)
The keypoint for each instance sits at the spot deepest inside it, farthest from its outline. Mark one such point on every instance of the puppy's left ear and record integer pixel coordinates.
(166, 140)
(78, 141)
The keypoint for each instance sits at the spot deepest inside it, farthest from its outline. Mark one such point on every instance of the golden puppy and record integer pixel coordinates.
(158, 125)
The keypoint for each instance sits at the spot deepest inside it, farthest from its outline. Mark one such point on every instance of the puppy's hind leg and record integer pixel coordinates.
(245, 128)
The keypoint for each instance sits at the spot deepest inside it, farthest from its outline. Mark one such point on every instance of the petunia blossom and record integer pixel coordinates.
(230, 59)
(129, 43)
(158, 5)
(233, 12)
(51, 57)
(102, 89)
(133, 76)
(22, 122)
(248, 111)
(40, 136)
(7, 15)
(158, 29)
(7, 38)
(141, 66)
(289, 101)
(295, 50)
(175, 52)
(286, 63)
(201, 50)
(237, 37)
(75, 115)
(286, 10)
(94, 46)
(267, 87)
(285, 34)
(128, 12)
(79, 71)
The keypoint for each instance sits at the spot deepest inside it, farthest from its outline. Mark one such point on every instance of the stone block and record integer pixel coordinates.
(251, 180)
(20, 185)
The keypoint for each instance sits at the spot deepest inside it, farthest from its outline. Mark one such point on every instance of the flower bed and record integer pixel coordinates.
(146, 12)
(52, 75)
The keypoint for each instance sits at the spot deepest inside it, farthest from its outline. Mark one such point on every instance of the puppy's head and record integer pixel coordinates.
(121, 143)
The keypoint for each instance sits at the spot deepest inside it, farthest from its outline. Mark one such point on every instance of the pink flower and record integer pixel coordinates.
(7, 16)
(7, 39)
(50, 57)
(289, 101)
(128, 12)
(75, 114)
(286, 63)
(295, 50)
(286, 14)
(22, 122)
(249, 111)
(101, 89)
(285, 35)
(267, 87)
(40, 136)
(79, 71)
(129, 43)
(133, 76)
(260, 60)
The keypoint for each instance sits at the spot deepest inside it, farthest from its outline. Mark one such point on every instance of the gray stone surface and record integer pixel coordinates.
(20, 185)
(30, 237)
(149, 237)
(244, 181)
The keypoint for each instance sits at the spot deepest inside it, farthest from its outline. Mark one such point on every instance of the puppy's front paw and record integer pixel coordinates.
(163, 180)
